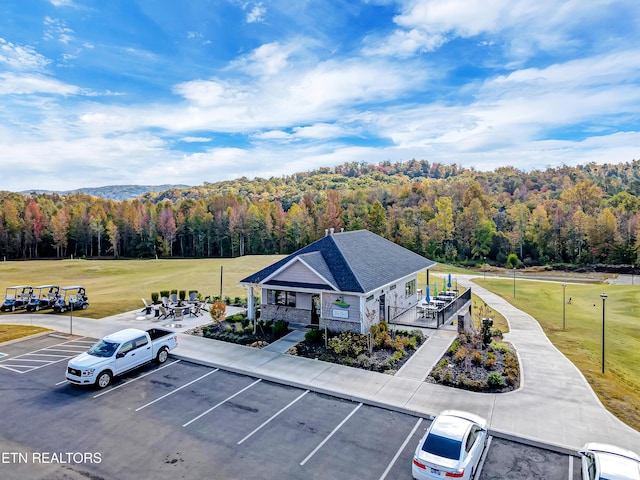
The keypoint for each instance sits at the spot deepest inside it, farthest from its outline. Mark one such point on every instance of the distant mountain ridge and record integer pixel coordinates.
(113, 192)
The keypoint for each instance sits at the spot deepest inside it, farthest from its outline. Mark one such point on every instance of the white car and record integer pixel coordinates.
(608, 462)
(451, 447)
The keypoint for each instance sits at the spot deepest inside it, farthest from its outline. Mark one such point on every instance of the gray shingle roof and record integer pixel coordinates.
(357, 261)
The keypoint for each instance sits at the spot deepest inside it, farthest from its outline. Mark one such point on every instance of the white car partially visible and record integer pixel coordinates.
(601, 461)
(451, 448)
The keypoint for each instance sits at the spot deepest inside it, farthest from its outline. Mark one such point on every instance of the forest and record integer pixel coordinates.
(561, 215)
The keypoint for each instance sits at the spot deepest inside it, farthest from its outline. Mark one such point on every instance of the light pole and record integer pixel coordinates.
(603, 296)
(564, 305)
(484, 268)
(514, 282)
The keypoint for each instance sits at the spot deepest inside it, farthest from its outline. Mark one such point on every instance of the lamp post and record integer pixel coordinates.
(484, 268)
(564, 305)
(603, 296)
(514, 282)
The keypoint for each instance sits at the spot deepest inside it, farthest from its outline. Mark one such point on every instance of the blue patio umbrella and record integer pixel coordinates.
(427, 297)
(449, 281)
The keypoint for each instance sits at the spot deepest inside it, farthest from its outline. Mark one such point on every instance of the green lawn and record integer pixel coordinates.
(581, 341)
(117, 286)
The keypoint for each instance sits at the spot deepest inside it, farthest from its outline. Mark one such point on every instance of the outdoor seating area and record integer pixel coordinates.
(174, 308)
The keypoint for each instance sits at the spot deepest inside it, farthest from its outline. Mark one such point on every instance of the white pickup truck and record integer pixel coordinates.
(119, 353)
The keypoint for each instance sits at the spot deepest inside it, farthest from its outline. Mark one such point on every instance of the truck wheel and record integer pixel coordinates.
(162, 356)
(104, 379)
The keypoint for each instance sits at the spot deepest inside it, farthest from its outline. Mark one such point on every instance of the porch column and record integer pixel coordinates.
(250, 308)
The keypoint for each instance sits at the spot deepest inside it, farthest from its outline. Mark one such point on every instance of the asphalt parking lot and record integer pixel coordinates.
(184, 420)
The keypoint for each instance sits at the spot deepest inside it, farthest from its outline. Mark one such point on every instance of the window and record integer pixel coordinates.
(281, 297)
(409, 288)
(141, 342)
(125, 348)
(369, 298)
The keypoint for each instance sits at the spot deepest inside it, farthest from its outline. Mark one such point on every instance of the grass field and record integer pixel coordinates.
(11, 332)
(581, 341)
(118, 286)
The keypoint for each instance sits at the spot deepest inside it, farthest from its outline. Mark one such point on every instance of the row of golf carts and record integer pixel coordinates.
(34, 299)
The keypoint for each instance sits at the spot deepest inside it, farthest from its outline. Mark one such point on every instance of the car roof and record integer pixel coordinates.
(450, 427)
(125, 335)
(615, 463)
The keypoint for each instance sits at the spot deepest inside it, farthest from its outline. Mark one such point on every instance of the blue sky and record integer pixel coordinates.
(97, 93)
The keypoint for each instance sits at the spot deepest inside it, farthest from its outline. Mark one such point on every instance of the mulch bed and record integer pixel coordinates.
(461, 368)
(381, 360)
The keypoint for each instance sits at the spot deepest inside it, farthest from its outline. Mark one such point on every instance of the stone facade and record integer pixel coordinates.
(339, 325)
(289, 314)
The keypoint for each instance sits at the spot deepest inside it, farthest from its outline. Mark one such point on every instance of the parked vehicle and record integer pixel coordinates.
(119, 353)
(601, 461)
(44, 296)
(73, 297)
(16, 298)
(451, 447)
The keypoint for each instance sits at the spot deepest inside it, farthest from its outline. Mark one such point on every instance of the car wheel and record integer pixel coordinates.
(162, 356)
(84, 306)
(37, 308)
(13, 308)
(104, 379)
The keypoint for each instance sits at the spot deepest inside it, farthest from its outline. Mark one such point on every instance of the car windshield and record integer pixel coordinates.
(103, 349)
(442, 447)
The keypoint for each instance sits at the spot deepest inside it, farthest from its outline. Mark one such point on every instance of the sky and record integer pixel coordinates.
(150, 92)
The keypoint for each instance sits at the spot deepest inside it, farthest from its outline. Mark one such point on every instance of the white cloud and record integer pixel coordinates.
(195, 139)
(266, 60)
(257, 13)
(27, 84)
(56, 29)
(22, 58)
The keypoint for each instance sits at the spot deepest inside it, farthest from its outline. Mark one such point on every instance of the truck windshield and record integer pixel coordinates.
(103, 349)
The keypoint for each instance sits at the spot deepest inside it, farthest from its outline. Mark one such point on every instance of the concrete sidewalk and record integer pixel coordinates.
(554, 406)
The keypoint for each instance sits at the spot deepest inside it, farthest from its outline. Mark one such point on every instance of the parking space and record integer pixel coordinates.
(46, 350)
(183, 420)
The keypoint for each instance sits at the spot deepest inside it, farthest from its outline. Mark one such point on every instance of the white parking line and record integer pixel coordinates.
(14, 364)
(330, 435)
(400, 450)
(134, 379)
(274, 416)
(224, 401)
(75, 352)
(570, 467)
(176, 390)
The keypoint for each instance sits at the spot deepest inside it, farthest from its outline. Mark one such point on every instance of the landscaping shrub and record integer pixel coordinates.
(314, 335)
(501, 347)
(239, 328)
(476, 357)
(154, 297)
(280, 328)
(461, 354)
(182, 294)
(495, 380)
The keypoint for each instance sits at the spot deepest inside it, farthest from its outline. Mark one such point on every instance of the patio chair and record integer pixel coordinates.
(174, 298)
(178, 313)
(147, 307)
(165, 312)
(193, 297)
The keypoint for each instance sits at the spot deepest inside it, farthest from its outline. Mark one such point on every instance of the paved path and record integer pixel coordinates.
(554, 406)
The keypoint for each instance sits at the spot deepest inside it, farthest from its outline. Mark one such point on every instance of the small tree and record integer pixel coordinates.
(218, 311)
(513, 261)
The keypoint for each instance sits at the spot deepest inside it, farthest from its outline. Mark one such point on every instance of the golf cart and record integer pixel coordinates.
(71, 298)
(44, 296)
(16, 298)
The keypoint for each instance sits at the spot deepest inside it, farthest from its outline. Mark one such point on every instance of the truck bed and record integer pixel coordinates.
(156, 333)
